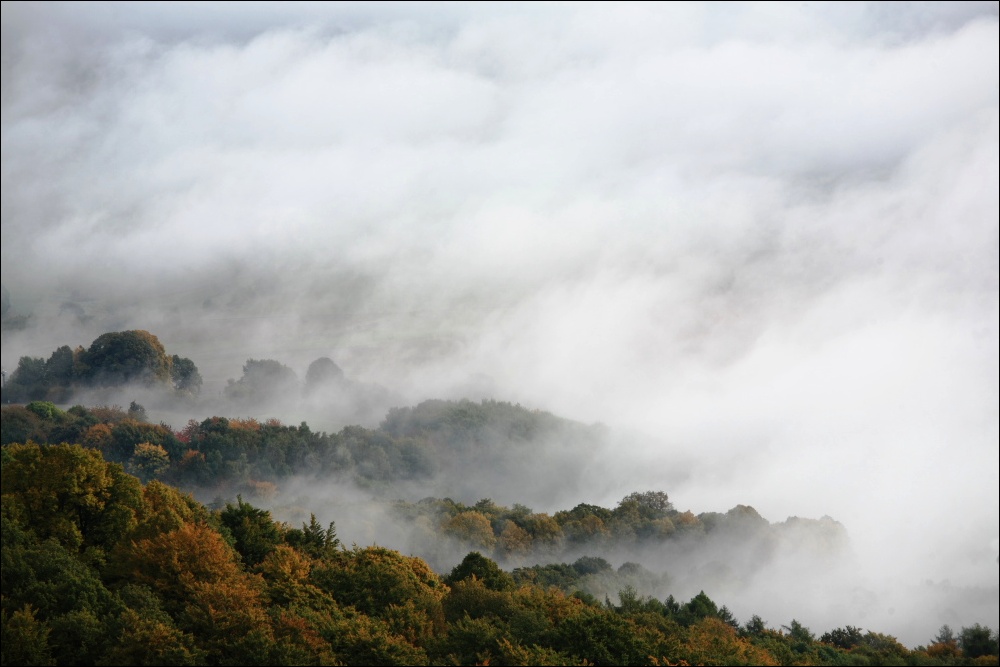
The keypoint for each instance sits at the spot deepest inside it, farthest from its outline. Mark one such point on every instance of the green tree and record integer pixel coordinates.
(846, 638)
(24, 639)
(60, 369)
(313, 539)
(126, 356)
(977, 640)
(185, 375)
(148, 461)
(323, 372)
(18, 424)
(69, 493)
(945, 635)
(263, 379)
(485, 570)
(471, 528)
(27, 382)
(253, 529)
(651, 504)
(375, 579)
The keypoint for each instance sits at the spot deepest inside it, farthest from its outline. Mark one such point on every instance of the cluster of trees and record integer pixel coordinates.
(412, 443)
(99, 568)
(516, 534)
(113, 359)
(224, 457)
(121, 361)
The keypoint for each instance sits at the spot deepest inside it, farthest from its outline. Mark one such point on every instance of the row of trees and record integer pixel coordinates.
(517, 534)
(413, 443)
(99, 568)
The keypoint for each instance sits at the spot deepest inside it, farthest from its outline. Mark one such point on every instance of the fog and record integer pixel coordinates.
(758, 243)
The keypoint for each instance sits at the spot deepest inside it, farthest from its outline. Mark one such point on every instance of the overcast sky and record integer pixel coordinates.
(763, 237)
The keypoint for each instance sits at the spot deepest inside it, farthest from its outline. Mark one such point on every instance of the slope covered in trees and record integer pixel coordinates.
(99, 568)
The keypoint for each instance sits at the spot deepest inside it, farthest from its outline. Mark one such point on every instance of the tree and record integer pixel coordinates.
(27, 382)
(977, 640)
(323, 372)
(313, 539)
(472, 528)
(485, 570)
(262, 379)
(148, 461)
(126, 356)
(375, 579)
(137, 412)
(591, 565)
(255, 533)
(24, 639)
(178, 563)
(846, 638)
(651, 504)
(60, 369)
(19, 424)
(185, 375)
(755, 627)
(946, 635)
(69, 493)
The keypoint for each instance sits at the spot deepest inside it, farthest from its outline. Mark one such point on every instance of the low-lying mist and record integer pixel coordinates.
(751, 252)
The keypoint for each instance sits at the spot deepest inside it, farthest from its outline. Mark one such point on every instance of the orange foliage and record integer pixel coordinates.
(98, 436)
(714, 642)
(176, 563)
(249, 424)
(109, 414)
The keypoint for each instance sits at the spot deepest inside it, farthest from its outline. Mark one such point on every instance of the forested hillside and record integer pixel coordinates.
(99, 568)
(108, 560)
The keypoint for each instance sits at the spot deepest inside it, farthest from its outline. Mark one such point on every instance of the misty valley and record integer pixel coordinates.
(224, 540)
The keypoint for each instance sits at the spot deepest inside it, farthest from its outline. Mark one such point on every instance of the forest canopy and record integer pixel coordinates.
(120, 572)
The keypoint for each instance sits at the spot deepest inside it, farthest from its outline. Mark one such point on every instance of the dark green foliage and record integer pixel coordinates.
(252, 529)
(755, 627)
(313, 539)
(591, 565)
(558, 575)
(602, 638)
(18, 424)
(24, 640)
(846, 638)
(64, 593)
(485, 570)
(27, 382)
(60, 369)
(977, 640)
(185, 376)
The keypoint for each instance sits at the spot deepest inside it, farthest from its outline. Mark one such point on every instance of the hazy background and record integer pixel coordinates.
(760, 241)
